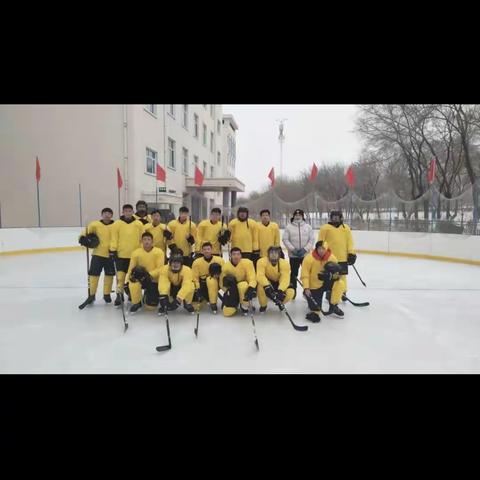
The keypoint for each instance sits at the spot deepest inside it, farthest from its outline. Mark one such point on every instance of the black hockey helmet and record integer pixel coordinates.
(332, 267)
(274, 254)
(338, 213)
(242, 210)
(175, 262)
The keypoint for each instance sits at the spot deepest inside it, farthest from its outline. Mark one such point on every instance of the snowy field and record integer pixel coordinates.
(424, 317)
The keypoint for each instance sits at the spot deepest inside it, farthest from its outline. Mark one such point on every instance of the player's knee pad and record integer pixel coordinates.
(93, 279)
(229, 311)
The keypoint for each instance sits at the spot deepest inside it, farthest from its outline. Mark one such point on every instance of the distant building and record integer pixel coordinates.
(80, 148)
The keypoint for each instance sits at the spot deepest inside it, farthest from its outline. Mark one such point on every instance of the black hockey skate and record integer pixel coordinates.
(135, 308)
(334, 310)
(188, 307)
(119, 299)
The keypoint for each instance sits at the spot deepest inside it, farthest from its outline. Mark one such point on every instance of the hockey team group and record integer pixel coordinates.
(180, 264)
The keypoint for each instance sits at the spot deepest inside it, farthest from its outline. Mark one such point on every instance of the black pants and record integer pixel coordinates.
(151, 293)
(203, 290)
(122, 264)
(97, 264)
(295, 267)
(254, 257)
(315, 301)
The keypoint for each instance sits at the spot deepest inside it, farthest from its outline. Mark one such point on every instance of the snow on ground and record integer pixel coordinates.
(424, 317)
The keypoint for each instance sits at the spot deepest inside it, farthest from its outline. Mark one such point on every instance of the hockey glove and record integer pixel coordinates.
(250, 294)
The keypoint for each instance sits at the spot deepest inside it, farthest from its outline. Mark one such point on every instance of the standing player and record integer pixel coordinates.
(208, 231)
(97, 236)
(158, 229)
(206, 272)
(145, 265)
(339, 238)
(299, 238)
(273, 277)
(238, 282)
(243, 233)
(125, 238)
(320, 273)
(175, 285)
(142, 212)
(268, 233)
(183, 236)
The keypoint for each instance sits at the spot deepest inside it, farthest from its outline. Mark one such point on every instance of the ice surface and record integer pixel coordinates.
(424, 317)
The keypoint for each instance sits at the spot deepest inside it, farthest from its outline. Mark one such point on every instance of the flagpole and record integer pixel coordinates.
(38, 205)
(119, 213)
(80, 202)
(156, 184)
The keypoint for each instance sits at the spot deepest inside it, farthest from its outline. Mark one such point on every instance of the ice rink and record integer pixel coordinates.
(424, 317)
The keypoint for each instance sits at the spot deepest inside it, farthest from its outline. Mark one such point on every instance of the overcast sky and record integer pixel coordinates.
(314, 133)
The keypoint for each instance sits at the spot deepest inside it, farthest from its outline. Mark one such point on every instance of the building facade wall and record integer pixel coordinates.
(85, 144)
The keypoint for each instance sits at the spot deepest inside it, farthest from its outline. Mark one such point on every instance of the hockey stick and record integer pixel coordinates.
(360, 278)
(86, 302)
(198, 319)
(355, 304)
(364, 304)
(250, 309)
(125, 323)
(164, 348)
(299, 328)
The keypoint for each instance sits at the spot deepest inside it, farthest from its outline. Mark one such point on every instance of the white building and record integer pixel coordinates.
(80, 148)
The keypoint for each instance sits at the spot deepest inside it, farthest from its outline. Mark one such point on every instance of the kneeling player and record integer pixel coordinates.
(206, 271)
(238, 282)
(273, 277)
(175, 285)
(97, 236)
(145, 265)
(320, 273)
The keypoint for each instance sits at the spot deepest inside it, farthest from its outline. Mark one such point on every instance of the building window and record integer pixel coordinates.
(211, 142)
(204, 169)
(212, 171)
(219, 158)
(185, 116)
(219, 127)
(211, 109)
(152, 109)
(204, 135)
(185, 161)
(171, 110)
(151, 161)
(171, 153)
(195, 126)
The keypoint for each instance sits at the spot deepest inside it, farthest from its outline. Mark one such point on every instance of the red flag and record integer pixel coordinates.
(37, 171)
(314, 173)
(119, 179)
(271, 176)
(161, 175)
(350, 177)
(431, 171)
(198, 177)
